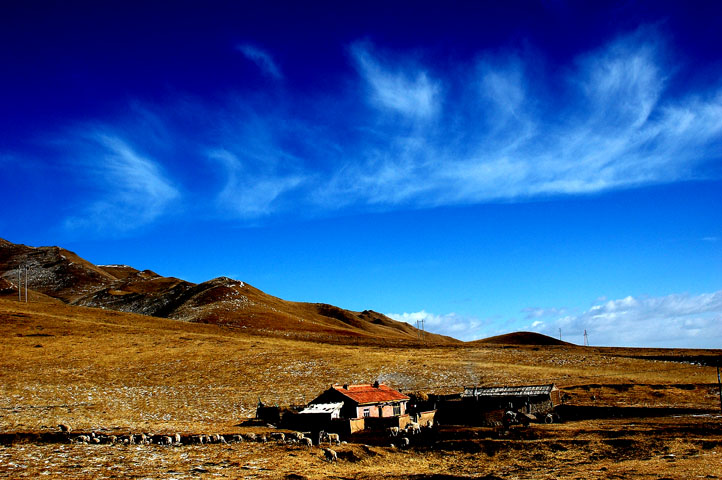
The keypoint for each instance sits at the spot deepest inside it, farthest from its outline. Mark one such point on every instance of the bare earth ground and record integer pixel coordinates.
(119, 373)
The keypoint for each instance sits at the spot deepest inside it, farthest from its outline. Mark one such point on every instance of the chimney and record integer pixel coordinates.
(376, 384)
(345, 386)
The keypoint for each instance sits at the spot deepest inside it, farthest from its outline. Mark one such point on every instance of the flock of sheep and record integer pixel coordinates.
(293, 438)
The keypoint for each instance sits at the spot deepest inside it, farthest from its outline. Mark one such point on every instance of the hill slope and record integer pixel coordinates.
(520, 338)
(54, 272)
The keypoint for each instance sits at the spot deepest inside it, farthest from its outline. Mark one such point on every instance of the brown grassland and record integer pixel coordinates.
(116, 373)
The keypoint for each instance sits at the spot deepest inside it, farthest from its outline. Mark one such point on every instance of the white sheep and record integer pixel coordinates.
(413, 428)
(330, 455)
(332, 438)
(177, 438)
(307, 441)
(393, 431)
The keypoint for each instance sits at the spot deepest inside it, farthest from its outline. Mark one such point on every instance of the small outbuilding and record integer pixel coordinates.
(530, 399)
(328, 411)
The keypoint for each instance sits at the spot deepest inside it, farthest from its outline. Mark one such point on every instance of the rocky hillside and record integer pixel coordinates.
(56, 273)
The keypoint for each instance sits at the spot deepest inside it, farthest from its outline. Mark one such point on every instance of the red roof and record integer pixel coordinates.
(363, 394)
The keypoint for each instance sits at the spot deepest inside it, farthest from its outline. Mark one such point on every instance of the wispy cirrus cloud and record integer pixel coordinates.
(262, 59)
(500, 136)
(410, 92)
(677, 320)
(248, 194)
(398, 133)
(129, 189)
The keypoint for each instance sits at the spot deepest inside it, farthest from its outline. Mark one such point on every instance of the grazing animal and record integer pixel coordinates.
(177, 438)
(83, 438)
(65, 428)
(393, 431)
(131, 439)
(237, 438)
(405, 441)
(166, 440)
(307, 441)
(413, 428)
(280, 436)
(330, 455)
(332, 438)
(262, 439)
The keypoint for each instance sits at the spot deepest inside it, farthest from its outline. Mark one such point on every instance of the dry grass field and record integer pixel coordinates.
(119, 373)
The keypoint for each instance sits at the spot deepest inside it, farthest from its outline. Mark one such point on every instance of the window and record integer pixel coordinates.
(367, 412)
(397, 409)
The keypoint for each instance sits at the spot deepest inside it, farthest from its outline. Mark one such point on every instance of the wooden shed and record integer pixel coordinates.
(532, 399)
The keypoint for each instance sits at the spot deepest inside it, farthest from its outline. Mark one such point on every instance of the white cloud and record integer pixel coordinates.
(498, 128)
(248, 194)
(262, 59)
(132, 190)
(678, 320)
(451, 324)
(611, 127)
(532, 312)
(409, 92)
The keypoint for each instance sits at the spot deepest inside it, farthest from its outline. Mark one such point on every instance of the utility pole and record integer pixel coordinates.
(719, 384)
(560, 334)
(20, 286)
(586, 339)
(26, 284)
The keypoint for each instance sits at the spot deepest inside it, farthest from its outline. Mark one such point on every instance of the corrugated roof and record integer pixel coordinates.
(363, 394)
(518, 391)
(323, 408)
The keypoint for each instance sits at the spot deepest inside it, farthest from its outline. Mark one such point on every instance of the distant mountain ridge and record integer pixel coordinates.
(55, 273)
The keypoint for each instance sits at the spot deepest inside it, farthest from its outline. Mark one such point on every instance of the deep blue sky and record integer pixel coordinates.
(486, 166)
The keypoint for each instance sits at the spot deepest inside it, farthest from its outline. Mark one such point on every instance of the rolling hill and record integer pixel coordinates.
(57, 274)
(520, 338)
